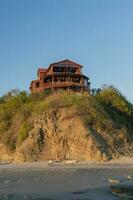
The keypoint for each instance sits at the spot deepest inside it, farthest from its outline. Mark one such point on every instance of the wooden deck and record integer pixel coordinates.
(61, 84)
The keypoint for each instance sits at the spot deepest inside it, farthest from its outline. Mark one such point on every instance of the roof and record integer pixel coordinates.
(62, 62)
(42, 70)
(66, 62)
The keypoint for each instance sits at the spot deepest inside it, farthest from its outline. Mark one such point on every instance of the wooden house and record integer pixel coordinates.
(64, 74)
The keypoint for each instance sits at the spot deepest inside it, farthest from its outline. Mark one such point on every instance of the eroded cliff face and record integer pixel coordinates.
(66, 125)
(61, 134)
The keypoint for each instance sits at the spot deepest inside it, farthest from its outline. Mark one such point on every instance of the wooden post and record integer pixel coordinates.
(52, 83)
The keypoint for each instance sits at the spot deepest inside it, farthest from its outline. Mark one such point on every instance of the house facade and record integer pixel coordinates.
(64, 74)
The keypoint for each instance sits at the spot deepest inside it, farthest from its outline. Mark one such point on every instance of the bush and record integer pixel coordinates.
(116, 105)
(112, 97)
(24, 131)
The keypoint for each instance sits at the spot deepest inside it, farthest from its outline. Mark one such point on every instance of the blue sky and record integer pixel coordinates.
(95, 33)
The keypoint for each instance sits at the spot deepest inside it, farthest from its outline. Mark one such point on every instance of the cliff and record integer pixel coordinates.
(66, 125)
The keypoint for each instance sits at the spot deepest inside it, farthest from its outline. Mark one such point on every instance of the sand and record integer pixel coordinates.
(66, 180)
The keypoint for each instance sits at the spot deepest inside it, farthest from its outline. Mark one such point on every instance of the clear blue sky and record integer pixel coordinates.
(95, 33)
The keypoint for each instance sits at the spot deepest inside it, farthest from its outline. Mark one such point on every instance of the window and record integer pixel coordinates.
(59, 69)
(47, 79)
(37, 84)
(71, 70)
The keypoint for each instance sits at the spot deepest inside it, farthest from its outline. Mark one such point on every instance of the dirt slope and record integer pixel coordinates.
(66, 125)
(62, 134)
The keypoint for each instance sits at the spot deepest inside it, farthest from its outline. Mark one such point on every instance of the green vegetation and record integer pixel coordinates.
(116, 106)
(103, 110)
(24, 131)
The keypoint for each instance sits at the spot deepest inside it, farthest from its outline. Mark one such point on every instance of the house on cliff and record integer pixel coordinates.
(64, 74)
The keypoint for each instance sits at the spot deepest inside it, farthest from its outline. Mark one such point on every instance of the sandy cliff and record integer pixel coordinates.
(80, 128)
(62, 134)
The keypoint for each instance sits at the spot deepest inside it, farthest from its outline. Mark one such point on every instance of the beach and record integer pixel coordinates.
(66, 180)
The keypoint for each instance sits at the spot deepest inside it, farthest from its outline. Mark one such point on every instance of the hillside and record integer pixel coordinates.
(65, 125)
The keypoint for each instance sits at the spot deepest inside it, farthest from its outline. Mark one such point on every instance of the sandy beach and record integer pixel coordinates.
(66, 180)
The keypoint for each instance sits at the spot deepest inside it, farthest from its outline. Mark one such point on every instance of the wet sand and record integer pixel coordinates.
(61, 180)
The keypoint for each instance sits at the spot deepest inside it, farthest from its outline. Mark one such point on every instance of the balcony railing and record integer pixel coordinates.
(64, 73)
(62, 83)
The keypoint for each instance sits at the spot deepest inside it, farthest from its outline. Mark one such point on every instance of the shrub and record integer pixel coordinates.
(112, 97)
(10, 142)
(24, 131)
(116, 105)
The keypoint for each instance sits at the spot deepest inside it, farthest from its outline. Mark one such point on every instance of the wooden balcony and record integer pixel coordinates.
(64, 73)
(63, 84)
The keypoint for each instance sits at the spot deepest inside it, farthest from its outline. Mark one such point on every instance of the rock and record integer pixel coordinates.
(123, 190)
(71, 161)
(6, 181)
(114, 181)
(130, 177)
(61, 134)
(26, 197)
(50, 162)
